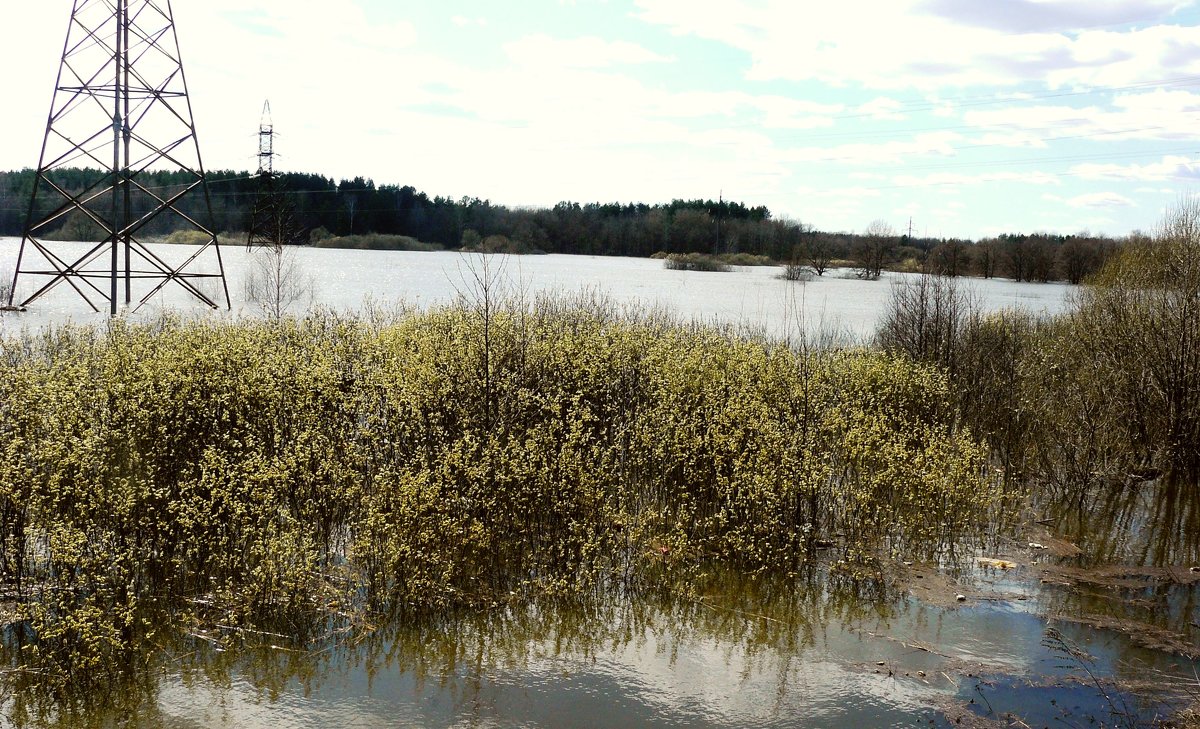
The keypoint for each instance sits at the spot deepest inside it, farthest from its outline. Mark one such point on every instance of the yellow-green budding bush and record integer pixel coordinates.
(177, 473)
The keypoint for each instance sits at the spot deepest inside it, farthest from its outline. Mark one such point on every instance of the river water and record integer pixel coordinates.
(753, 298)
(1093, 627)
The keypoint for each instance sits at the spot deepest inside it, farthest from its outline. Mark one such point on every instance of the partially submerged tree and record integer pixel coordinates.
(819, 250)
(873, 249)
(277, 280)
(6, 286)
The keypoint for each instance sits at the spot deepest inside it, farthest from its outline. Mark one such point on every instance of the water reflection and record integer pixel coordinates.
(1151, 524)
(1134, 572)
(732, 650)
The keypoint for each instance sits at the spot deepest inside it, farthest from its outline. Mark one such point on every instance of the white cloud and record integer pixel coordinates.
(956, 179)
(540, 51)
(1157, 115)
(1170, 168)
(777, 112)
(849, 193)
(1023, 16)
(937, 144)
(1101, 200)
(545, 118)
(928, 45)
(884, 109)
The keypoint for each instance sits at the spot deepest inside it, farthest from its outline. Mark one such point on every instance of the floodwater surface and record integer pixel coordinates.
(753, 298)
(1060, 638)
(1087, 617)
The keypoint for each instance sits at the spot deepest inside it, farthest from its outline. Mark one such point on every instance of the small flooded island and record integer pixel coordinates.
(279, 449)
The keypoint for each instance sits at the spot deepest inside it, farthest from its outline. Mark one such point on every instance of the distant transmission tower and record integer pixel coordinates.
(272, 220)
(121, 105)
(266, 142)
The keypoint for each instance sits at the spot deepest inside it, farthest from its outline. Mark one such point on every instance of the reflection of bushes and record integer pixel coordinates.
(260, 470)
(770, 620)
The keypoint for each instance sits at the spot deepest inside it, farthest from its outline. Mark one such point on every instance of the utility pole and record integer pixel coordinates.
(121, 78)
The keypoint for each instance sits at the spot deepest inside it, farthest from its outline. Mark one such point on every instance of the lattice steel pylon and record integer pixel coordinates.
(272, 219)
(120, 104)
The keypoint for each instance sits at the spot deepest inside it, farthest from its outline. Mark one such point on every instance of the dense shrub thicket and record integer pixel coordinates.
(1109, 392)
(244, 473)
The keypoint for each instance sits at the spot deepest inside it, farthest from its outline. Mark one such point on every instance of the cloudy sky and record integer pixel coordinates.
(969, 117)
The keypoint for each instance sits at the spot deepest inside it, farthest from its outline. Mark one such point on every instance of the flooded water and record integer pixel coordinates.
(663, 670)
(1097, 623)
(753, 297)
(741, 652)
(1063, 638)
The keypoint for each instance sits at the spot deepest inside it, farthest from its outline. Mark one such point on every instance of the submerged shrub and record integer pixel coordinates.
(925, 320)
(1140, 322)
(695, 262)
(1108, 392)
(260, 472)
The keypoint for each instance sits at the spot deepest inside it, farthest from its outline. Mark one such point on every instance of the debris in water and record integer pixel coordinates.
(999, 564)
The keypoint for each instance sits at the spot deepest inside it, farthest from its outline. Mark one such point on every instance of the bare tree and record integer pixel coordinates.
(1138, 324)
(926, 318)
(6, 286)
(876, 244)
(819, 250)
(277, 280)
(987, 256)
(947, 259)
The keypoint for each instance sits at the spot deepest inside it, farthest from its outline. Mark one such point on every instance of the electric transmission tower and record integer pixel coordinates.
(266, 142)
(272, 219)
(120, 105)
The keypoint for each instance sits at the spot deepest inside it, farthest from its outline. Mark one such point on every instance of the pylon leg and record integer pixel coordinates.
(121, 110)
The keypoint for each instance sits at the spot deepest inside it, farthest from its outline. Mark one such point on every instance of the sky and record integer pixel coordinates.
(963, 118)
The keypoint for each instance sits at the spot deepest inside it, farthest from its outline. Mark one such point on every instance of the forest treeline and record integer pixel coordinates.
(325, 207)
